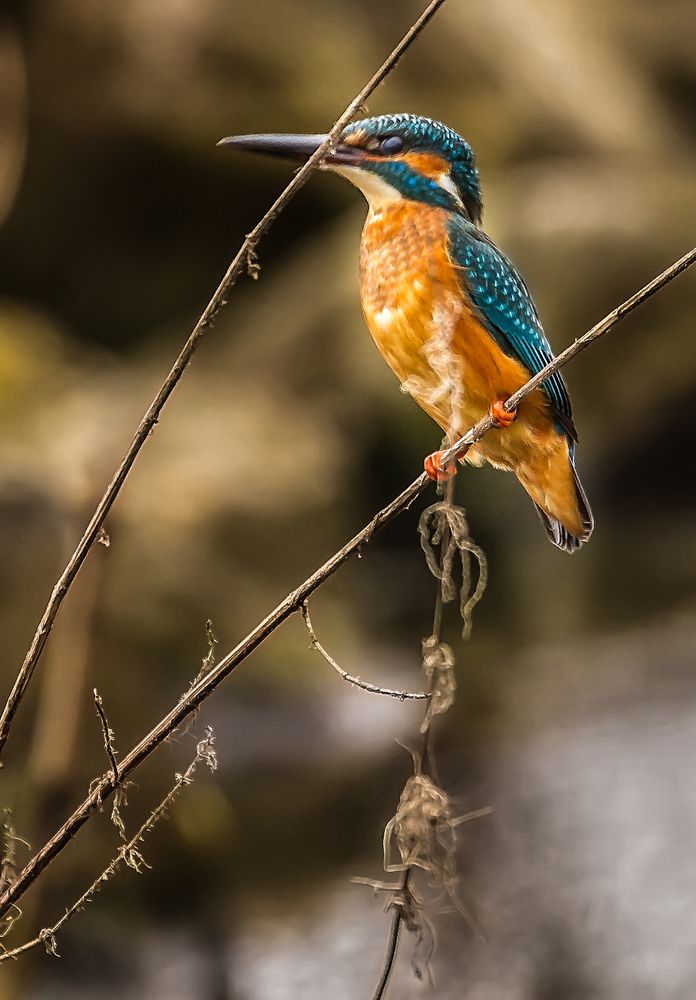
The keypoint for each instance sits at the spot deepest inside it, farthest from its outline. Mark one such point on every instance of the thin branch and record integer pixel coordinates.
(110, 750)
(208, 660)
(8, 865)
(393, 938)
(244, 260)
(409, 910)
(128, 853)
(108, 734)
(355, 681)
(202, 690)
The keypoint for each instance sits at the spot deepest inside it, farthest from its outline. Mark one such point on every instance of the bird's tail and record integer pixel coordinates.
(565, 537)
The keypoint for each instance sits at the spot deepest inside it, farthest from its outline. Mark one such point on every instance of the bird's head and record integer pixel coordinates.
(390, 157)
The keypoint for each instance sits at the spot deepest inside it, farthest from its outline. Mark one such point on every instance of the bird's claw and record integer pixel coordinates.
(439, 471)
(500, 416)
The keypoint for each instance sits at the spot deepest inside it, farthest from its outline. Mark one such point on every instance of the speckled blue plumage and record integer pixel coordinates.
(507, 310)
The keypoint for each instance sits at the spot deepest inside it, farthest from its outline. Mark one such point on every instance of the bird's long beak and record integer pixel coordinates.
(293, 147)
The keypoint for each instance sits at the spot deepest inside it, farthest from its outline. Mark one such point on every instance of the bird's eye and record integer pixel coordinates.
(392, 144)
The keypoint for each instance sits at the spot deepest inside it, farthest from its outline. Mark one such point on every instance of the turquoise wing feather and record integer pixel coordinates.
(507, 310)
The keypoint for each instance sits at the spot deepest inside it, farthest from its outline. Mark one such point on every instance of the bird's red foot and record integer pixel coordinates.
(500, 416)
(438, 471)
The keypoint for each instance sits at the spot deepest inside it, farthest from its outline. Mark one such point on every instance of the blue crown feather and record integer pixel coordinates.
(426, 135)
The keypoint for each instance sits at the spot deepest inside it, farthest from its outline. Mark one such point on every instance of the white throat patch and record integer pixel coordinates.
(379, 194)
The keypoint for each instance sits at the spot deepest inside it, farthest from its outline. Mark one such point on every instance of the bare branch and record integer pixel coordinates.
(202, 690)
(8, 866)
(355, 681)
(110, 750)
(245, 260)
(208, 660)
(108, 734)
(128, 854)
(399, 901)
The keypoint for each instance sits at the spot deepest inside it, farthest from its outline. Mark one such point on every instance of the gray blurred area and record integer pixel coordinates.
(576, 710)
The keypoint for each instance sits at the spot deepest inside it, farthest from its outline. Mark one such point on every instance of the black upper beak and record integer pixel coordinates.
(292, 147)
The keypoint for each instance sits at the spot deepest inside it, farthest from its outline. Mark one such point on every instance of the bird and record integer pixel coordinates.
(448, 311)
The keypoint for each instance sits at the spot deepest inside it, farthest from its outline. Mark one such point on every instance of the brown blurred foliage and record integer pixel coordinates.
(118, 216)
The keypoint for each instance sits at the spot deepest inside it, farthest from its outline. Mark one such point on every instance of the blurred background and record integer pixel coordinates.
(576, 710)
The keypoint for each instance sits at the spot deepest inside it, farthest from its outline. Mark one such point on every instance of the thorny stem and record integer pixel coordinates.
(128, 853)
(108, 734)
(244, 260)
(202, 690)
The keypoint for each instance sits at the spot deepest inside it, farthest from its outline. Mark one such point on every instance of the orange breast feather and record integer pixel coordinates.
(431, 337)
(424, 324)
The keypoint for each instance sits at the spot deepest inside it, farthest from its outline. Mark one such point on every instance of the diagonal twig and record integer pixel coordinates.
(244, 260)
(294, 600)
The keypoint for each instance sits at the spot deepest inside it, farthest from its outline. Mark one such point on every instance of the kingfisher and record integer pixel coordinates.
(449, 312)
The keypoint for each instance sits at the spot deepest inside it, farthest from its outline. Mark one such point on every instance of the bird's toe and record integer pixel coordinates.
(500, 416)
(439, 470)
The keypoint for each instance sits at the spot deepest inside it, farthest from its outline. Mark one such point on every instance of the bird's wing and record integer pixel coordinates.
(507, 310)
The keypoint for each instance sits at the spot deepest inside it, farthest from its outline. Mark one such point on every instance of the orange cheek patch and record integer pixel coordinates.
(429, 164)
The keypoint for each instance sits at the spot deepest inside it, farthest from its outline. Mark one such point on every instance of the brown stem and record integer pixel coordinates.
(392, 941)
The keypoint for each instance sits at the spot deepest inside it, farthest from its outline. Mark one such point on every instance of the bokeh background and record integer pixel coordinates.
(576, 711)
